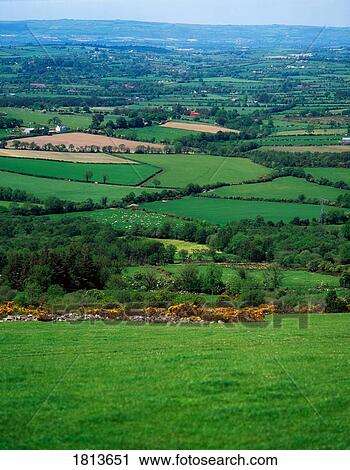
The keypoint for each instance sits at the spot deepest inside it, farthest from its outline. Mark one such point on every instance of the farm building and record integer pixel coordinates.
(28, 130)
(194, 114)
(346, 140)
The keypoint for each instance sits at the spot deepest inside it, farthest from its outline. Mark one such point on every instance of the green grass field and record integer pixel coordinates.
(221, 211)
(69, 190)
(288, 188)
(109, 386)
(180, 170)
(123, 174)
(332, 174)
(31, 118)
(156, 134)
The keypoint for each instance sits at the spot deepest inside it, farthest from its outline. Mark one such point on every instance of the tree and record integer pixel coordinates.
(333, 304)
(233, 285)
(345, 280)
(55, 121)
(272, 277)
(188, 279)
(252, 293)
(105, 178)
(88, 175)
(212, 280)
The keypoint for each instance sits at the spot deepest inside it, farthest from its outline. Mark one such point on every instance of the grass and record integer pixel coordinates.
(183, 245)
(119, 386)
(125, 218)
(333, 174)
(30, 118)
(287, 187)
(158, 134)
(68, 190)
(180, 170)
(124, 174)
(221, 211)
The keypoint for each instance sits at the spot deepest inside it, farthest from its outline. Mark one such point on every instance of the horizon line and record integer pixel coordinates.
(176, 23)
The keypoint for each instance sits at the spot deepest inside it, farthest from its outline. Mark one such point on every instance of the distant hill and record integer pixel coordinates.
(126, 33)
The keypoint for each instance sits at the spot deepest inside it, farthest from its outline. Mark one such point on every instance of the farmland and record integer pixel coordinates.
(221, 211)
(282, 188)
(199, 181)
(69, 190)
(122, 174)
(202, 373)
(197, 127)
(180, 170)
(73, 157)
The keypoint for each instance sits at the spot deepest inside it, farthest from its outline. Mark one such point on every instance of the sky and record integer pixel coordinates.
(296, 12)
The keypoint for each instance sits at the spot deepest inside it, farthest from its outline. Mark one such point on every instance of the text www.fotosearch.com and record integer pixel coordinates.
(183, 460)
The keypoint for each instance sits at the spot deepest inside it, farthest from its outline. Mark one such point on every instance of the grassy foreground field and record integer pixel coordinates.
(109, 386)
(68, 190)
(125, 174)
(221, 211)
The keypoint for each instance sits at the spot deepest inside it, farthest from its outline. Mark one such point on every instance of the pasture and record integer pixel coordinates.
(332, 174)
(157, 134)
(68, 190)
(221, 211)
(220, 387)
(281, 188)
(122, 174)
(30, 118)
(180, 170)
(125, 219)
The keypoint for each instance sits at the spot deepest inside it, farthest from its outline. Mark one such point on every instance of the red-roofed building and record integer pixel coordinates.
(194, 114)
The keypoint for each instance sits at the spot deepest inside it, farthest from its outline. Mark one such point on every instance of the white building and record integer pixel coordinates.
(28, 130)
(346, 140)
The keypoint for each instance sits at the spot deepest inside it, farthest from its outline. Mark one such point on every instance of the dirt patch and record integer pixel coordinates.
(72, 157)
(310, 148)
(315, 132)
(81, 140)
(198, 127)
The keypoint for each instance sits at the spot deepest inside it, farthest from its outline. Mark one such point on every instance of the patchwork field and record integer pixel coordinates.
(221, 211)
(159, 134)
(99, 172)
(180, 170)
(309, 148)
(340, 132)
(80, 139)
(333, 174)
(74, 157)
(219, 387)
(282, 188)
(68, 190)
(30, 117)
(198, 127)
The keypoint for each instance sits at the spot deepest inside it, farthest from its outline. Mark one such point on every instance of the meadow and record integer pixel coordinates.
(67, 190)
(121, 174)
(156, 134)
(332, 174)
(237, 387)
(30, 118)
(221, 211)
(180, 170)
(287, 187)
(125, 219)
